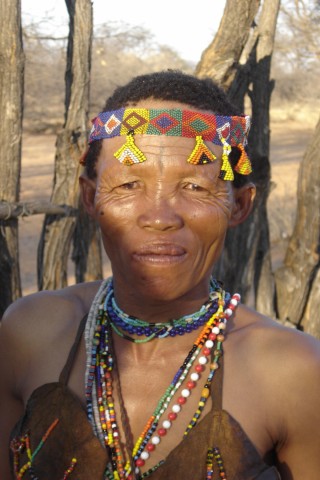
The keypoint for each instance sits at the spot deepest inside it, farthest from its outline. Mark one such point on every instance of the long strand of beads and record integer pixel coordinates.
(92, 368)
(140, 453)
(70, 469)
(217, 456)
(209, 464)
(215, 334)
(107, 411)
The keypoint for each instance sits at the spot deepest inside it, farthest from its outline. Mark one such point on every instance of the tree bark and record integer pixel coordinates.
(310, 322)
(87, 249)
(220, 60)
(245, 265)
(11, 111)
(298, 281)
(54, 246)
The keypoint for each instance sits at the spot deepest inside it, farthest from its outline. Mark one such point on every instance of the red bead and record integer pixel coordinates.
(212, 336)
(140, 462)
(191, 384)
(199, 368)
(172, 416)
(150, 447)
(182, 400)
(206, 351)
(162, 432)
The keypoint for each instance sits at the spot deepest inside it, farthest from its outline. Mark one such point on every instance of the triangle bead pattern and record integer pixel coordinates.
(201, 154)
(129, 153)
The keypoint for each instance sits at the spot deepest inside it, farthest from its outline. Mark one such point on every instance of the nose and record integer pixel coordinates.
(160, 214)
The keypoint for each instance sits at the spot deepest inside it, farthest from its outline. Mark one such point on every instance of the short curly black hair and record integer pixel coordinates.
(201, 93)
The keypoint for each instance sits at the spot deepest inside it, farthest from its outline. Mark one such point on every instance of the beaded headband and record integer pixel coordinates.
(226, 131)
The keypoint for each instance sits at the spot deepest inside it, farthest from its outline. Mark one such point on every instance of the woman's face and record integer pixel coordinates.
(164, 221)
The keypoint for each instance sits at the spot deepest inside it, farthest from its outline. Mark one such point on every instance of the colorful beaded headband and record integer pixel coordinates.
(226, 131)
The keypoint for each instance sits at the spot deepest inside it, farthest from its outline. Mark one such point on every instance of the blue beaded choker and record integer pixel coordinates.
(125, 325)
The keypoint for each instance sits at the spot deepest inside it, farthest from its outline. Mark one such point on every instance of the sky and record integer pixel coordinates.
(186, 26)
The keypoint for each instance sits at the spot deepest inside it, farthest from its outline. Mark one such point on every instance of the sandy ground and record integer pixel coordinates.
(288, 143)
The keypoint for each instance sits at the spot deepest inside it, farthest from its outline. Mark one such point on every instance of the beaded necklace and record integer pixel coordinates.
(99, 385)
(122, 322)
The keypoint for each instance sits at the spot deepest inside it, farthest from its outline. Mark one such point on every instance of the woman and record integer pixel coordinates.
(165, 177)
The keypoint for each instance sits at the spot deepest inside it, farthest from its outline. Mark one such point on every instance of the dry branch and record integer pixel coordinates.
(26, 209)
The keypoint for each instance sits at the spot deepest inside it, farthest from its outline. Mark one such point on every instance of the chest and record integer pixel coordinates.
(142, 389)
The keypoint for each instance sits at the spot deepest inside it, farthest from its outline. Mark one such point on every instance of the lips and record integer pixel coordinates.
(160, 253)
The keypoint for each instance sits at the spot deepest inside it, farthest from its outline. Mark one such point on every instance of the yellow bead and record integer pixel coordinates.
(205, 393)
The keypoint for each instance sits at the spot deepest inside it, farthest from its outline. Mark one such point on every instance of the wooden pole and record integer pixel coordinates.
(56, 238)
(11, 108)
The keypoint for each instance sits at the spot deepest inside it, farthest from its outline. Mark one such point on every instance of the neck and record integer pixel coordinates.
(158, 308)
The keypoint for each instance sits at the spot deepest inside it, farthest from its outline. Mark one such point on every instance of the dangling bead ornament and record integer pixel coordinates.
(129, 153)
(226, 172)
(207, 349)
(201, 154)
(244, 165)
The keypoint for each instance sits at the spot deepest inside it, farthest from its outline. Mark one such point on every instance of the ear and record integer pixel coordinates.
(88, 191)
(243, 203)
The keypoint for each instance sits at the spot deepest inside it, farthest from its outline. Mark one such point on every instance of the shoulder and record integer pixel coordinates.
(284, 365)
(39, 322)
(287, 350)
(263, 333)
(49, 305)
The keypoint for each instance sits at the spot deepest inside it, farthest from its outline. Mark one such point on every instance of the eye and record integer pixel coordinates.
(129, 185)
(194, 187)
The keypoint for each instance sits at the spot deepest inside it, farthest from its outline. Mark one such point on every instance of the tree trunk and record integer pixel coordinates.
(87, 249)
(57, 231)
(245, 265)
(11, 108)
(221, 59)
(310, 322)
(298, 281)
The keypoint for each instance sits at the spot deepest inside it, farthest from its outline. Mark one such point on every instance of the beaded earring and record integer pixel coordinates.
(226, 170)
(201, 154)
(129, 153)
(244, 165)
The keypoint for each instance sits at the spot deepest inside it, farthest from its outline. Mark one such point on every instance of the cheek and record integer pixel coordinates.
(223, 206)
(217, 212)
(212, 222)
(115, 220)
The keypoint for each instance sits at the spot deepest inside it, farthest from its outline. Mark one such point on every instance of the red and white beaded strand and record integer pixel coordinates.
(215, 334)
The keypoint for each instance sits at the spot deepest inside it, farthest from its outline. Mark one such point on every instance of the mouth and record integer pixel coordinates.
(160, 254)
